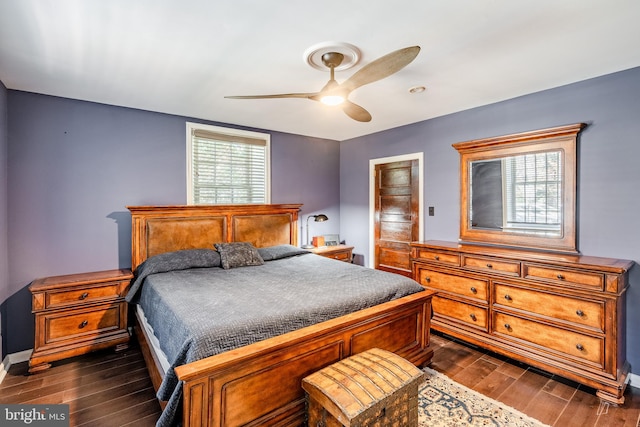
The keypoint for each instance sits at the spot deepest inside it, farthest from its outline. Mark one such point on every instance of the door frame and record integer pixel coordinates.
(372, 203)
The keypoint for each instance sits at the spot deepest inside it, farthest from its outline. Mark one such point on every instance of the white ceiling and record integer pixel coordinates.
(183, 57)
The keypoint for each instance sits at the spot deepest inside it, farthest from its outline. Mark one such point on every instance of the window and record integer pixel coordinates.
(227, 166)
(534, 190)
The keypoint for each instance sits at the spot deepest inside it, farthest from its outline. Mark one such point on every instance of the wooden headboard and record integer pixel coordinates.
(160, 229)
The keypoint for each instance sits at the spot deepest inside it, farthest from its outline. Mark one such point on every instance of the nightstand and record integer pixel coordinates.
(78, 313)
(339, 252)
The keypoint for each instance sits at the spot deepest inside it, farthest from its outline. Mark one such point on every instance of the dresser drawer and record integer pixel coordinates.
(582, 279)
(81, 295)
(74, 325)
(492, 265)
(570, 309)
(571, 343)
(466, 313)
(441, 257)
(459, 285)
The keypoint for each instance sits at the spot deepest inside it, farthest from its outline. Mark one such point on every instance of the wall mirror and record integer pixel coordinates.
(520, 190)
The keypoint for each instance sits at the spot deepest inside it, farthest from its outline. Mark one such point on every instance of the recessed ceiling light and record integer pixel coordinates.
(417, 89)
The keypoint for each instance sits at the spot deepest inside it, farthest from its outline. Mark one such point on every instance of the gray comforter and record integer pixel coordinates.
(200, 312)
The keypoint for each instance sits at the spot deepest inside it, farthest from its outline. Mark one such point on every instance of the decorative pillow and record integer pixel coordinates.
(238, 254)
(280, 251)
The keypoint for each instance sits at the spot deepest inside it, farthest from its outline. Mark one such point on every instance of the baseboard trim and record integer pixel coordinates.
(634, 381)
(10, 359)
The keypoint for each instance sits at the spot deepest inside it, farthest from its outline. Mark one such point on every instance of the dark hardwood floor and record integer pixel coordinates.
(553, 400)
(114, 389)
(102, 389)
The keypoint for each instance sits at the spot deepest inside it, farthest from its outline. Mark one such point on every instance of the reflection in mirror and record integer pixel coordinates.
(517, 193)
(520, 190)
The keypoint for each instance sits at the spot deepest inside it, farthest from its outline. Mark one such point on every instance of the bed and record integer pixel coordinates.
(259, 383)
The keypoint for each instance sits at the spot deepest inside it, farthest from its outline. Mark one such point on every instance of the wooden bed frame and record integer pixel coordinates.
(260, 384)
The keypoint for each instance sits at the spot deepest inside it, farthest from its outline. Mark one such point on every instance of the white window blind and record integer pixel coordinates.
(534, 190)
(227, 166)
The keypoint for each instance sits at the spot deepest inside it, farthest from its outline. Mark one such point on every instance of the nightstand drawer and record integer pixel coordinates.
(338, 252)
(341, 256)
(82, 295)
(71, 325)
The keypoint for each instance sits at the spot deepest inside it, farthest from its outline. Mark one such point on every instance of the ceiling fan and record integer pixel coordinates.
(334, 93)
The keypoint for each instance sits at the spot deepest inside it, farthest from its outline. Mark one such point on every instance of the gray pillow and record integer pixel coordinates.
(271, 253)
(238, 254)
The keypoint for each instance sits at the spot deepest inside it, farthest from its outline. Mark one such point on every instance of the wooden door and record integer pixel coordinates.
(396, 219)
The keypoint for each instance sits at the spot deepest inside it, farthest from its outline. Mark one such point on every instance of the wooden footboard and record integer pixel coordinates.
(260, 384)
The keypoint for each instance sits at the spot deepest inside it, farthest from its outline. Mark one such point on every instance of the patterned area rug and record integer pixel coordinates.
(445, 403)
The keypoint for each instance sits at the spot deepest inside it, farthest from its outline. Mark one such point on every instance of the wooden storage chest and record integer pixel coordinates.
(375, 388)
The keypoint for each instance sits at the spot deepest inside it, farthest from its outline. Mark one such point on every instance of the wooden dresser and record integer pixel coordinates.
(78, 313)
(339, 252)
(561, 313)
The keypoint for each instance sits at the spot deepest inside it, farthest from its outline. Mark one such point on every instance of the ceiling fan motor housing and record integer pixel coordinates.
(332, 59)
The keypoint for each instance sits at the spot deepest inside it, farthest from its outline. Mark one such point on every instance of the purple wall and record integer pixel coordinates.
(4, 228)
(608, 173)
(74, 166)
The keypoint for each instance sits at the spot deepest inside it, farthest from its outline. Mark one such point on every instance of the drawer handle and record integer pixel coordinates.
(473, 317)
(427, 279)
(580, 313)
(580, 347)
(508, 297)
(437, 258)
(474, 290)
(83, 324)
(507, 326)
(84, 295)
(560, 277)
(489, 265)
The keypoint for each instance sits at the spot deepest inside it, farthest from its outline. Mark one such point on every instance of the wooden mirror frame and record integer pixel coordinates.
(563, 138)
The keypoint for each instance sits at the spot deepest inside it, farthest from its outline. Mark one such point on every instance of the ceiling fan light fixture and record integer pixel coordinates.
(332, 100)
(335, 93)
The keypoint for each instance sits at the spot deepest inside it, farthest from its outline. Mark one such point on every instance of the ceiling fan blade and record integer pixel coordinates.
(381, 68)
(356, 112)
(281, 95)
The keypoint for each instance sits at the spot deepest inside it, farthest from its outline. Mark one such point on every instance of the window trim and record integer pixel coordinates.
(231, 132)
